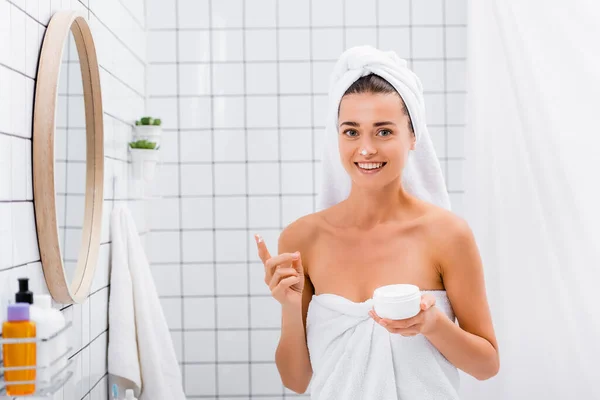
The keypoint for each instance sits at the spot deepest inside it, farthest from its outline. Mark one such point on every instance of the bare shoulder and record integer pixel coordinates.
(300, 234)
(446, 228)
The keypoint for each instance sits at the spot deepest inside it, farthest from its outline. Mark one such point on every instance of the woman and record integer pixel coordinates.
(380, 234)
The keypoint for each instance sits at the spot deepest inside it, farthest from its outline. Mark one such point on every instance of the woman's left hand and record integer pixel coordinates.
(424, 322)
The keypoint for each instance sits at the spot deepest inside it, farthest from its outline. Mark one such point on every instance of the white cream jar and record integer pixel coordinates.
(398, 301)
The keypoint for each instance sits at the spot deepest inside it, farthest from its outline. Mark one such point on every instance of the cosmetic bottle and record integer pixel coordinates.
(18, 326)
(398, 301)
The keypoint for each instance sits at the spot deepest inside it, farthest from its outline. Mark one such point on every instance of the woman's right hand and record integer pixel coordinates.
(283, 274)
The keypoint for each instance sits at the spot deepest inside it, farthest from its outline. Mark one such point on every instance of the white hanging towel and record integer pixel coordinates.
(140, 348)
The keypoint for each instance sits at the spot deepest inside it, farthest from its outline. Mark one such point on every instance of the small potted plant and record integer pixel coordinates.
(148, 128)
(144, 156)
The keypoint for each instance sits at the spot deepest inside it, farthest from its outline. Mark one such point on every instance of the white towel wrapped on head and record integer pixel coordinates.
(422, 175)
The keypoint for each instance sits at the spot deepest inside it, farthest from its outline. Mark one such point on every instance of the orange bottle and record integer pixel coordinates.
(18, 326)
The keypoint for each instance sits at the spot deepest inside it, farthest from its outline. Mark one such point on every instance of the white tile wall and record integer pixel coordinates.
(120, 38)
(241, 150)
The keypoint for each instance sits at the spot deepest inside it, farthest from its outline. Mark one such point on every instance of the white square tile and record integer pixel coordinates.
(428, 42)
(177, 338)
(456, 75)
(228, 79)
(197, 246)
(207, 386)
(294, 14)
(456, 42)
(232, 312)
(263, 145)
(19, 105)
(162, 80)
(261, 45)
(165, 213)
(230, 145)
(321, 74)
(194, 46)
(196, 146)
(261, 78)
(167, 179)
(6, 236)
(98, 313)
(161, 14)
(31, 46)
(232, 279)
(294, 78)
(328, 44)
(77, 144)
(76, 207)
(457, 200)
(172, 311)
(163, 247)
(234, 379)
(361, 37)
(262, 112)
(196, 213)
(327, 13)
(456, 108)
(21, 162)
(265, 312)
(261, 13)
(196, 180)
(256, 278)
(227, 14)
(194, 79)
(231, 245)
(193, 14)
(195, 112)
(360, 13)
(296, 177)
(263, 178)
(228, 45)
(455, 175)
(5, 96)
(228, 112)
(166, 108)
(429, 12)
(167, 279)
(200, 346)
(456, 141)
(431, 74)
(438, 137)
(25, 245)
(162, 46)
(296, 144)
(264, 212)
(434, 109)
(294, 44)
(393, 12)
(395, 39)
(169, 146)
(18, 32)
(294, 207)
(198, 313)
(230, 179)
(230, 212)
(233, 346)
(198, 279)
(295, 111)
(456, 12)
(264, 344)
(265, 379)
(5, 34)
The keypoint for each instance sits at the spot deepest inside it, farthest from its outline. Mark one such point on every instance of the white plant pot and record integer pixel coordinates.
(151, 133)
(144, 163)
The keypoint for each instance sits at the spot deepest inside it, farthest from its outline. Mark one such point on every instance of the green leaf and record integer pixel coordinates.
(143, 144)
(157, 122)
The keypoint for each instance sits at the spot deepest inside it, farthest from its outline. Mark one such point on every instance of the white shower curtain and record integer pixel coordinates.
(533, 192)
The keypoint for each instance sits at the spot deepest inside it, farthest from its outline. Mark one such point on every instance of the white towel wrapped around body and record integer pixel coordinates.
(354, 358)
(422, 175)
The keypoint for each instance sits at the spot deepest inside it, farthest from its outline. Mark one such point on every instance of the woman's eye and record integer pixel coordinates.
(384, 132)
(350, 132)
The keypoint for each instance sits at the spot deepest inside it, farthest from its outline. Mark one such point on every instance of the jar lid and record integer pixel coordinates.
(397, 291)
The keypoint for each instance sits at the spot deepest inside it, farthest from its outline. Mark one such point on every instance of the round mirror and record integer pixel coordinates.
(68, 157)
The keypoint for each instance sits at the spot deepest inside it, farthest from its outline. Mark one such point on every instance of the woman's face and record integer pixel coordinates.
(375, 123)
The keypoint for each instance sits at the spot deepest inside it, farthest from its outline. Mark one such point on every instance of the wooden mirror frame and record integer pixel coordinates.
(61, 25)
